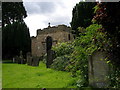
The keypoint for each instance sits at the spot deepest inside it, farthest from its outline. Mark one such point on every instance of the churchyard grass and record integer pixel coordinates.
(24, 76)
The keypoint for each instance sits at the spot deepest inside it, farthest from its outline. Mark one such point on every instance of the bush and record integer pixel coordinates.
(60, 62)
(63, 48)
(73, 56)
(63, 51)
(114, 76)
(85, 45)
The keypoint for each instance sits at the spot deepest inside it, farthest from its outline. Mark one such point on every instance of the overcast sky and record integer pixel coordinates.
(54, 11)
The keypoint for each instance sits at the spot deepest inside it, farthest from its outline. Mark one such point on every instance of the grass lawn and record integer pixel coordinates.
(24, 76)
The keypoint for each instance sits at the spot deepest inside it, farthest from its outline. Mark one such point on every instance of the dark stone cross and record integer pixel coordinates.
(21, 60)
(49, 24)
(50, 53)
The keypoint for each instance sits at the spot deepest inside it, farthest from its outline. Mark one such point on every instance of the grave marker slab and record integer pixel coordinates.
(98, 69)
(50, 57)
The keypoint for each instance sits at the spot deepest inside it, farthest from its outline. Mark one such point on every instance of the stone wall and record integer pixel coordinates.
(60, 33)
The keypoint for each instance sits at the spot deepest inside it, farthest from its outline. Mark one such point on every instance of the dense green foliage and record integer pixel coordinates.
(82, 15)
(63, 51)
(23, 76)
(63, 48)
(77, 60)
(15, 33)
(16, 38)
(12, 12)
(61, 62)
(108, 15)
(85, 45)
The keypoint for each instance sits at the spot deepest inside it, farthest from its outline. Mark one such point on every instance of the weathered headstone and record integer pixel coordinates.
(35, 61)
(13, 59)
(98, 70)
(29, 59)
(50, 57)
(21, 59)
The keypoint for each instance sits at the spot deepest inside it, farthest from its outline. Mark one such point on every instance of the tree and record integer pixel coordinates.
(12, 11)
(82, 15)
(108, 15)
(16, 36)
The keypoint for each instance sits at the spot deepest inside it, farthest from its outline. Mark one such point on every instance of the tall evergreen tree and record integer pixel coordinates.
(15, 33)
(12, 12)
(108, 15)
(82, 15)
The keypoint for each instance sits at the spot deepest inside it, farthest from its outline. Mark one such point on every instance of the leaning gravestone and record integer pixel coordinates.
(98, 70)
(35, 61)
(29, 59)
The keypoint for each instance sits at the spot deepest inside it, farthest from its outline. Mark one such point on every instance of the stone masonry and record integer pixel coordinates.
(60, 33)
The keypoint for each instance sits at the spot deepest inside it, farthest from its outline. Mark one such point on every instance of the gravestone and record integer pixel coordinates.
(50, 57)
(98, 70)
(13, 59)
(21, 59)
(35, 61)
(29, 59)
(50, 53)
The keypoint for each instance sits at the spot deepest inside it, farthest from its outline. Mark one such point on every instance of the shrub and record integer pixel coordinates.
(63, 51)
(85, 45)
(73, 56)
(60, 62)
(63, 48)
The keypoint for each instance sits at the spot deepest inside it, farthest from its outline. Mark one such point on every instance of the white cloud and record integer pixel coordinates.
(40, 13)
(35, 22)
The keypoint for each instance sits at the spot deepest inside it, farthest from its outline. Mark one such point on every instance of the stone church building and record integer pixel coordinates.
(60, 33)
